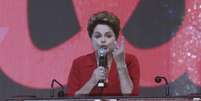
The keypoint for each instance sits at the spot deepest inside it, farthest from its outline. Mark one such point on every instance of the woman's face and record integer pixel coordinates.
(103, 36)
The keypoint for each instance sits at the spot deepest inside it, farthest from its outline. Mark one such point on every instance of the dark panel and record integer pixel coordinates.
(51, 22)
(182, 86)
(9, 88)
(154, 22)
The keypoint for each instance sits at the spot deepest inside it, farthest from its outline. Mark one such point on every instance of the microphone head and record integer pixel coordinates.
(102, 55)
(102, 51)
(61, 93)
(157, 79)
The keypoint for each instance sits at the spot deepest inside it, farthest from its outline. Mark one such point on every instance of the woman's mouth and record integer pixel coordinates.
(103, 46)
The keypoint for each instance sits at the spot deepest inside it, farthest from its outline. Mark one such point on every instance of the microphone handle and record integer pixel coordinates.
(52, 89)
(61, 92)
(102, 62)
(101, 83)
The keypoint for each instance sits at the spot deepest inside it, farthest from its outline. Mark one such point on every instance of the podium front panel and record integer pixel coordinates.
(108, 99)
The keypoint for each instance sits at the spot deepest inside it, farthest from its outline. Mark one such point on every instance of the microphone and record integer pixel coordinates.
(158, 79)
(102, 53)
(61, 92)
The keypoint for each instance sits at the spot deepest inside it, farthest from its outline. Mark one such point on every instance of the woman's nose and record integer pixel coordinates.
(103, 40)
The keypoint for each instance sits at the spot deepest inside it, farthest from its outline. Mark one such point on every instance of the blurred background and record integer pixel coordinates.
(39, 39)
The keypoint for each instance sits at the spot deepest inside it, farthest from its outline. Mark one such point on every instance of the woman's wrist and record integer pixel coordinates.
(92, 81)
(121, 64)
(121, 67)
(86, 89)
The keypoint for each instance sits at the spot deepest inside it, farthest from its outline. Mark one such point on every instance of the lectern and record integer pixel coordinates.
(109, 98)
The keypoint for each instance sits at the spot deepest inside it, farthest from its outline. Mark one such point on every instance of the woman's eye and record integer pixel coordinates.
(97, 36)
(109, 36)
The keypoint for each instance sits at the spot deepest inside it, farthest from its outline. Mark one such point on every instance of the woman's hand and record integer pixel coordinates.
(98, 74)
(118, 53)
(119, 57)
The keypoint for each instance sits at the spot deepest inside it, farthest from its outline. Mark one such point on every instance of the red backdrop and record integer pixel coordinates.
(30, 66)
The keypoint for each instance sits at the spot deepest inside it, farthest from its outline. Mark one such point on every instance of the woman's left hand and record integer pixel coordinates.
(118, 52)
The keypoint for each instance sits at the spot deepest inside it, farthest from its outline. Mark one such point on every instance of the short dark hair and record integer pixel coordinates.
(106, 18)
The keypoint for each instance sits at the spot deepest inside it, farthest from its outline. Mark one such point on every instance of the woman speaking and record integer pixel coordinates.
(116, 73)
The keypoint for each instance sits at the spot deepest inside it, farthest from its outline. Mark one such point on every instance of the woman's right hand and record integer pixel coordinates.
(98, 74)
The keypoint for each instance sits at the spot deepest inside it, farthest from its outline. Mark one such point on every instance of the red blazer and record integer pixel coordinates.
(83, 67)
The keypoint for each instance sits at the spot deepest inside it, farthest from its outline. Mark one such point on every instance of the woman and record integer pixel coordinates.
(121, 75)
